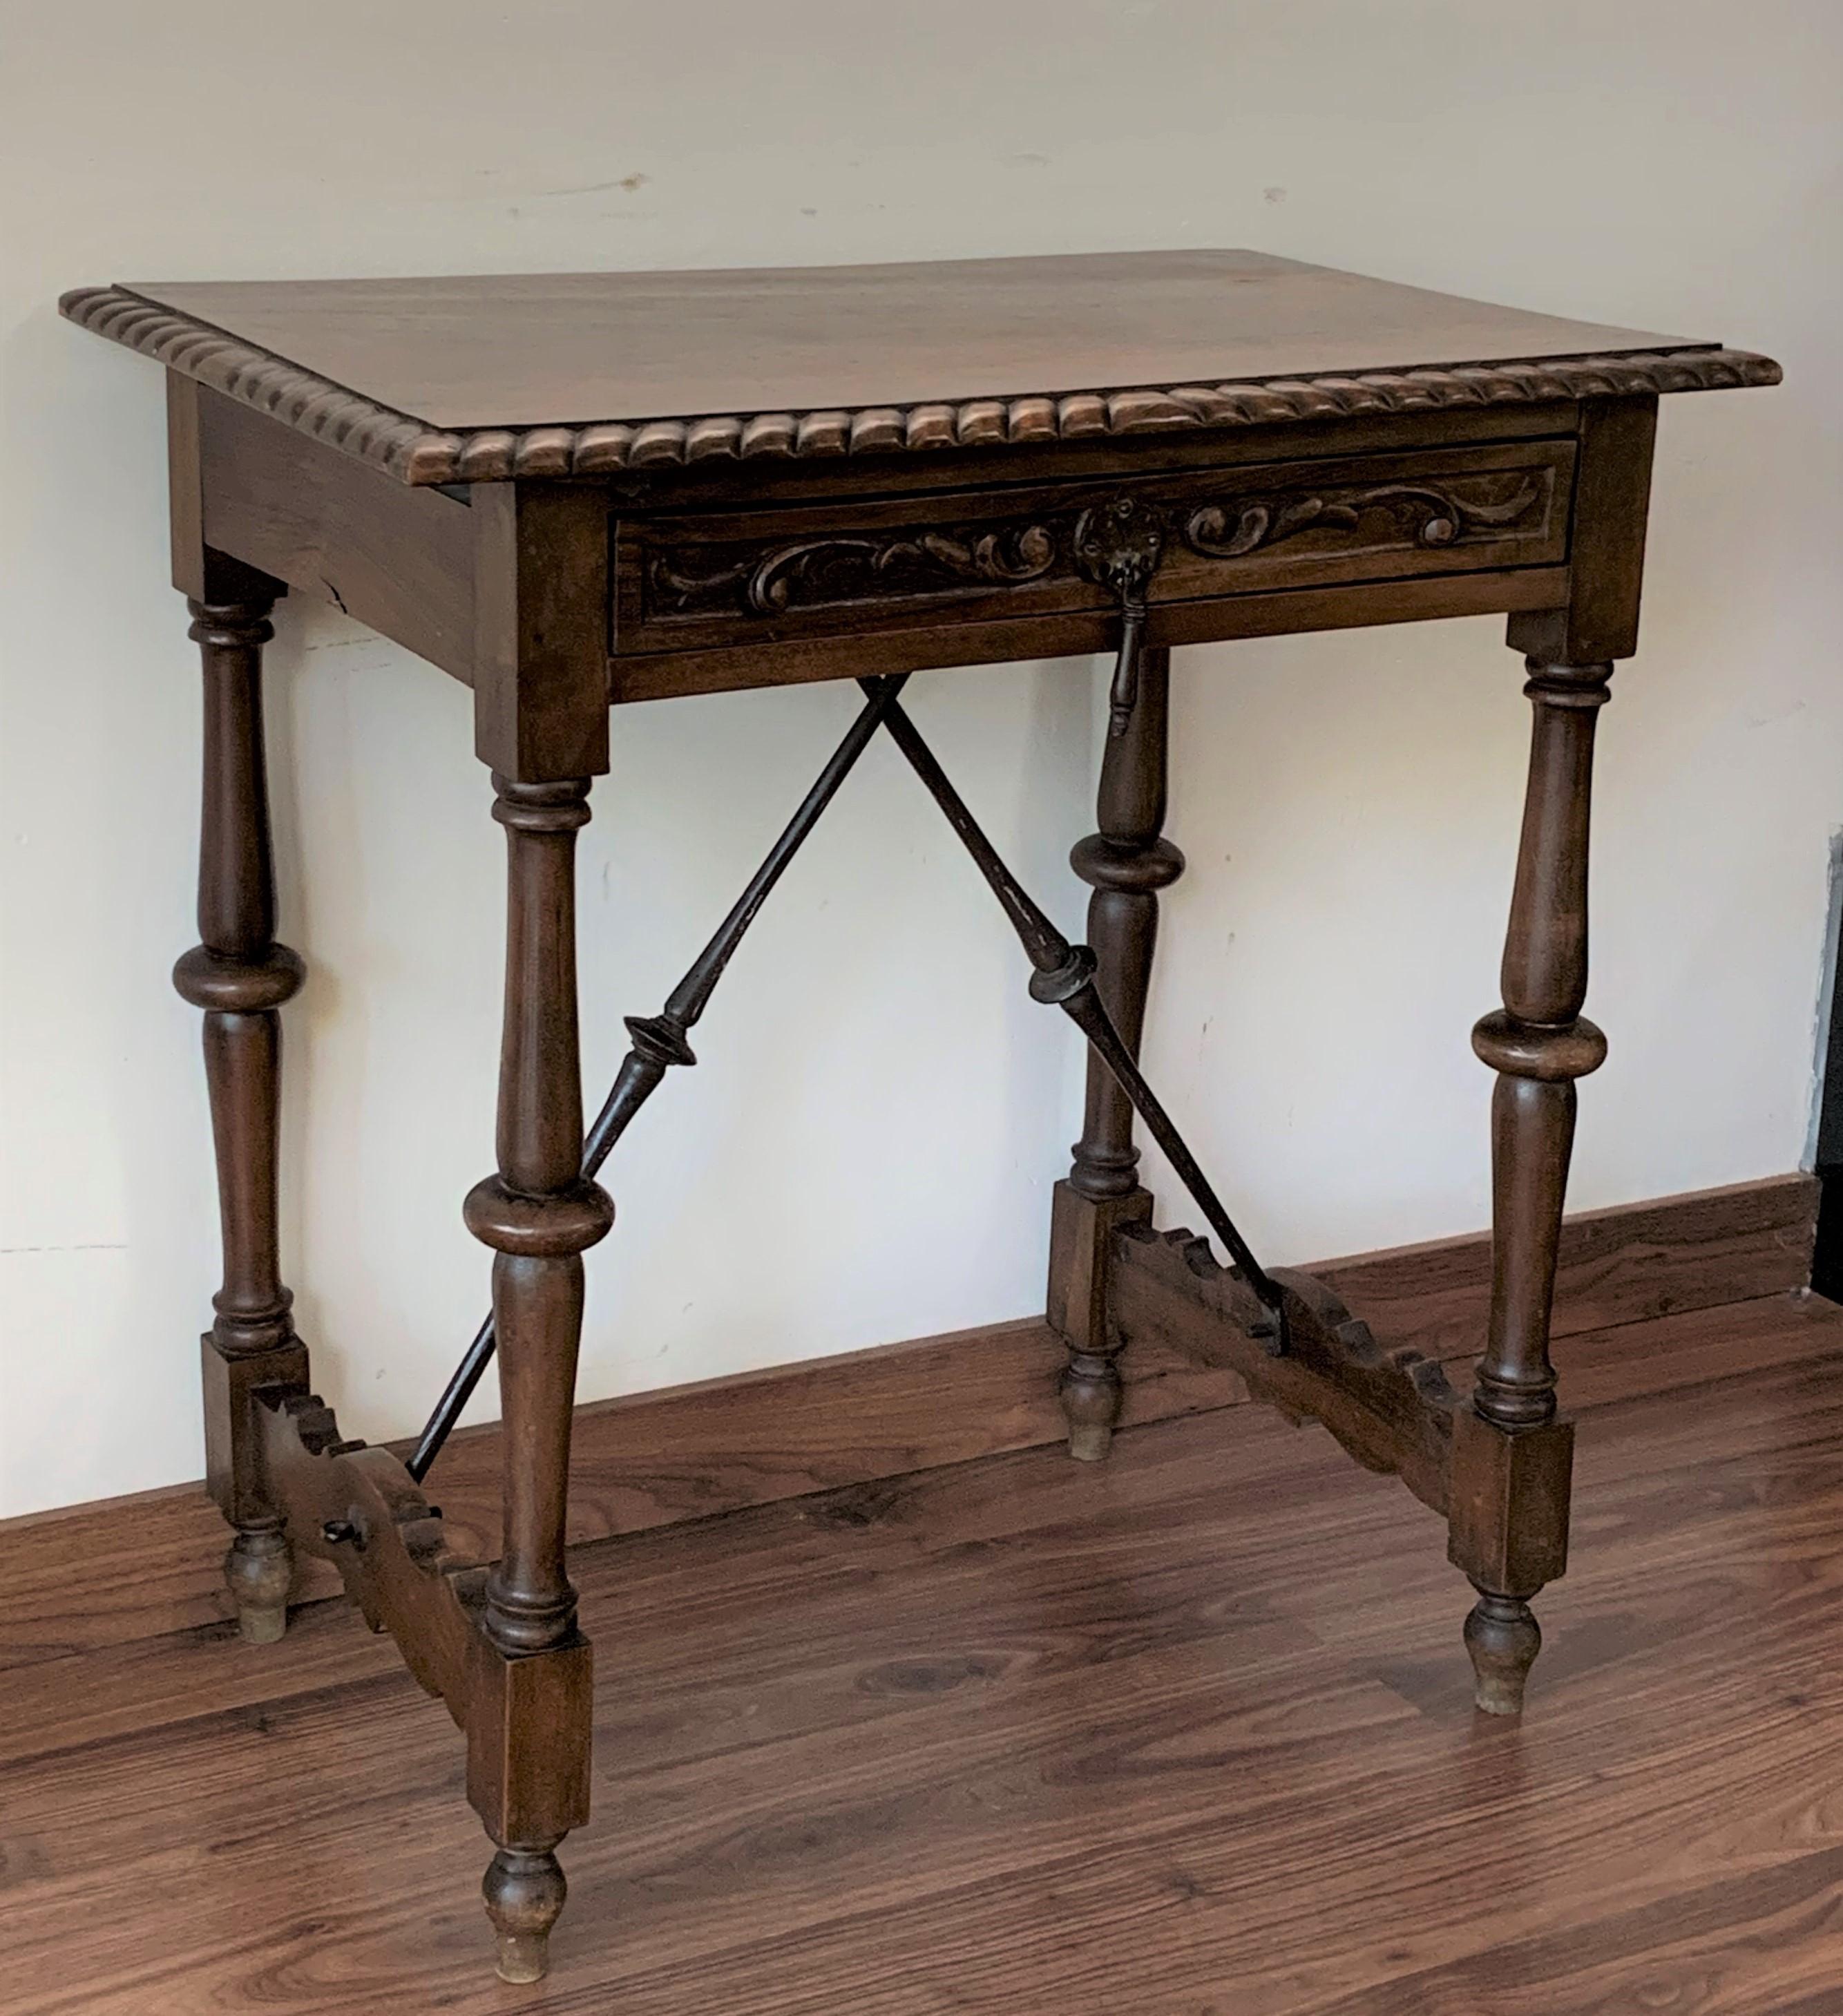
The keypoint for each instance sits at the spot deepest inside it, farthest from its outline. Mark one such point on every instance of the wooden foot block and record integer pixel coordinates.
(1508, 1502)
(529, 1725)
(1080, 1231)
(233, 1434)
(259, 1568)
(1080, 1234)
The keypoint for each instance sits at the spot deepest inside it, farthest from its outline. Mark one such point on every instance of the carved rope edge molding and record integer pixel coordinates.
(417, 454)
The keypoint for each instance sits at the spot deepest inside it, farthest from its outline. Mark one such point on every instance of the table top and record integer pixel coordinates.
(477, 378)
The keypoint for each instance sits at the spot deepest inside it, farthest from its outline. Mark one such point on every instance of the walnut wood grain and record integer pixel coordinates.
(527, 1723)
(1598, 620)
(973, 1707)
(1626, 1265)
(113, 1573)
(962, 640)
(356, 1508)
(860, 565)
(539, 376)
(1513, 1453)
(239, 976)
(547, 406)
(400, 561)
(1126, 863)
(1392, 1408)
(1757, 1341)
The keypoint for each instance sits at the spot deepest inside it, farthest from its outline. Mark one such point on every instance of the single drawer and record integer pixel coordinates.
(707, 581)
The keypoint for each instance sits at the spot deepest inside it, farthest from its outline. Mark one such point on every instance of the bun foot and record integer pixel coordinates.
(259, 1571)
(1503, 1638)
(524, 1892)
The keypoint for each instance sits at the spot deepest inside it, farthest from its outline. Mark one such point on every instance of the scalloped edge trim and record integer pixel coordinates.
(415, 453)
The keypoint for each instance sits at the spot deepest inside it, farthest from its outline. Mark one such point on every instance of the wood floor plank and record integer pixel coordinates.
(88, 1576)
(1186, 1734)
(1763, 1944)
(1728, 1708)
(126, 1569)
(887, 1527)
(1307, 1847)
(1627, 1265)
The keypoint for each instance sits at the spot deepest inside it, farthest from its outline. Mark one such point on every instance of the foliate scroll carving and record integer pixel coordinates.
(1431, 515)
(415, 452)
(1116, 543)
(822, 571)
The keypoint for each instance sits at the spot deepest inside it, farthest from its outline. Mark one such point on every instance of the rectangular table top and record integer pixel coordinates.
(822, 358)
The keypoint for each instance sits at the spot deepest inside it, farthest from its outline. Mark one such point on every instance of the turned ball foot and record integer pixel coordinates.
(1091, 1397)
(524, 1891)
(1503, 1638)
(260, 1571)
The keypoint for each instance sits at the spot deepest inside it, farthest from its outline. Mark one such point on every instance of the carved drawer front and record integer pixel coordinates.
(695, 581)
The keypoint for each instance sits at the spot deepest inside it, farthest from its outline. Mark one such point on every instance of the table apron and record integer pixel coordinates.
(664, 675)
(759, 597)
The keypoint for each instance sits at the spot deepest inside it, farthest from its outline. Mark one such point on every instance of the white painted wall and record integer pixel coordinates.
(877, 1090)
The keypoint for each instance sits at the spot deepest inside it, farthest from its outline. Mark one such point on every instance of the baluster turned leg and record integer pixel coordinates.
(1126, 863)
(529, 1746)
(1513, 1455)
(240, 976)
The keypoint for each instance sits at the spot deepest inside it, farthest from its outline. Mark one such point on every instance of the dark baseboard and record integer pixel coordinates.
(139, 1566)
(1826, 1258)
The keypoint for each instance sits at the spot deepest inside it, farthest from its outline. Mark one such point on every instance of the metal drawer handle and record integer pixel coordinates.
(1118, 545)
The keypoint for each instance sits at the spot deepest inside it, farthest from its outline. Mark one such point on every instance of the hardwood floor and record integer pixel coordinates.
(87, 1576)
(1186, 1734)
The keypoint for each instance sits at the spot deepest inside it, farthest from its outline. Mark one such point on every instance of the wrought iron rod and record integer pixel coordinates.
(660, 1041)
(1065, 975)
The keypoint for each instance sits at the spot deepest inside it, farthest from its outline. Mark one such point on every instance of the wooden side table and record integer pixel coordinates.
(579, 490)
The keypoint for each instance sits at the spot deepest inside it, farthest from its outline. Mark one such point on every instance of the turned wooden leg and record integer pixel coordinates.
(1126, 863)
(240, 976)
(528, 1746)
(1513, 1455)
